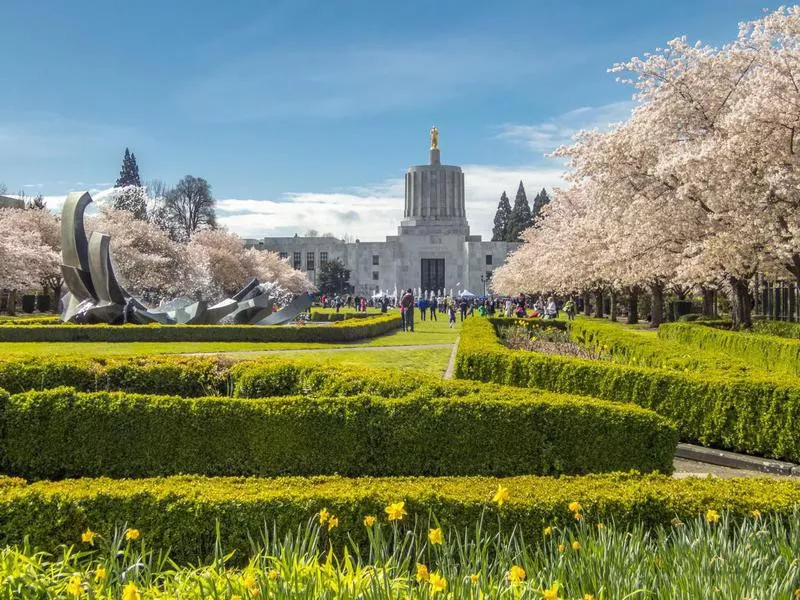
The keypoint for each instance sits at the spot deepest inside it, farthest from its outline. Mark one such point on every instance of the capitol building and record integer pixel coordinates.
(432, 251)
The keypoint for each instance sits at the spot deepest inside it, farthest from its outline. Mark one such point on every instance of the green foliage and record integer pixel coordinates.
(755, 416)
(779, 328)
(331, 317)
(541, 200)
(182, 513)
(520, 215)
(333, 277)
(373, 326)
(502, 220)
(348, 421)
(776, 354)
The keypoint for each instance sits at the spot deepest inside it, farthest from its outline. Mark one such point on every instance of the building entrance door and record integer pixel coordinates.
(432, 274)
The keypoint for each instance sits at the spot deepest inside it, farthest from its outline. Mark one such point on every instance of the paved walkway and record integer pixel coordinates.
(322, 350)
(691, 468)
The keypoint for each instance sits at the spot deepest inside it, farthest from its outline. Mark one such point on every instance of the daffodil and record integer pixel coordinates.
(435, 536)
(577, 516)
(324, 515)
(132, 535)
(551, 593)
(548, 531)
(712, 516)
(100, 574)
(87, 537)
(500, 496)
(75, 587)
(369, 520)
(600, 527)
(516, 574)
(250, 582)
(333, 522)
(575, 507)
(437, 582)
(756, 514)
(396, 511)
(576, 545)
(272, 574)
(422, 572)
(474, 578)
(561, 547)
(588, 597)
(130, 592)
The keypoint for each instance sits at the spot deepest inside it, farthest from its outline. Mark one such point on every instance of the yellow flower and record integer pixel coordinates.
(576, 545)
(588, 597)
(501, 495)
(333, 522)
(369, 520)
(130, 592)
(100, 574)
(396, 511)
(577, 516)
(323, 516)
(548, 531)
(575, 507)
(552, 593)
(600, 526)
(756, 514)
(474, 578)
(797, 593)
(438, 583)
(435, 536)
(712, 516)
(272, 574)
(236, 597)
(422, 572)
(516, 574)
(561, 547)
(250, 582)
(87, 537)
(74, 587)
(132, 535)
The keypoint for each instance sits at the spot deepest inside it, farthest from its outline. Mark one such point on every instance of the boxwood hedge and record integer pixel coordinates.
(755, 416)
(183, 513)
(345, 331)
(446, 431)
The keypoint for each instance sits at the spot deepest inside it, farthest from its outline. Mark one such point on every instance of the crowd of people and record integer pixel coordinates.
(453, 308)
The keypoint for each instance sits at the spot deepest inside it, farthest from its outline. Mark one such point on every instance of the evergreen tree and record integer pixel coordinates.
(133, 197)
(502, 220)
(333, 277)
(520, 215)
(538, 204)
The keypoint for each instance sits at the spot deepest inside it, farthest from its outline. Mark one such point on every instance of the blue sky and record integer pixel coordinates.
(306, 114)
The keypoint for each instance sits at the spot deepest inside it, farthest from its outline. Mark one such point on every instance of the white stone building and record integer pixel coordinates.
(433, 249)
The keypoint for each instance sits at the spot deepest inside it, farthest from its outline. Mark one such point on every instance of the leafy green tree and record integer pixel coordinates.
(502, 220)
(132, 195)
(333, 277)
(520, 215)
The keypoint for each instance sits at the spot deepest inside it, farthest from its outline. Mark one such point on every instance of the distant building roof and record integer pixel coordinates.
(9, 202)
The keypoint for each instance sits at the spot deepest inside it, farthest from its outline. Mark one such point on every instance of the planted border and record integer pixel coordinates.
(345, 331)
(759, 417)
(182, 513)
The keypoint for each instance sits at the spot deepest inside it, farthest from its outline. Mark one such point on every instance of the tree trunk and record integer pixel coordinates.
(657, 305)
(12, 303)
(708, 303)
(741, 303)
(598, 308)
(633, 305)
(587, 305)
(613, 308)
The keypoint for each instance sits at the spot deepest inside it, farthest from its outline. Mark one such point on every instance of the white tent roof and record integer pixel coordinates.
(467, 294)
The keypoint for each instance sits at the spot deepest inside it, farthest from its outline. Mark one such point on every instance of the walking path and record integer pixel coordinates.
(322, 350)
(451, 364)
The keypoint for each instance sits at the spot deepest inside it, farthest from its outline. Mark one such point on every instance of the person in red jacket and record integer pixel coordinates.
(407, 310)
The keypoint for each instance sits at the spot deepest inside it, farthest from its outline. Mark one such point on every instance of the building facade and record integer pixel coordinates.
(432, 251)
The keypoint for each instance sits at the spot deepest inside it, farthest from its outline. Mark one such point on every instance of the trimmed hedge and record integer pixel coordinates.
(63, 433)
(182, 513)
(529, 323)
(766, 351)
(328, 317)
(759, 417)
(337, 332)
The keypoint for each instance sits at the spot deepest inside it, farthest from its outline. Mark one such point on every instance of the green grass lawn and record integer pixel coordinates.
(432, 361)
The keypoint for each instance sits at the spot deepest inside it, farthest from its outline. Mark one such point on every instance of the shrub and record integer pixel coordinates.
(766, 351)
(778, 328)
(746, 415)
(63, 433)
(329, 317)
(345, 331)
(184, 513)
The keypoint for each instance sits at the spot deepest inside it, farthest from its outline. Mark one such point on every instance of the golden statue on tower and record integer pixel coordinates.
(434, 138)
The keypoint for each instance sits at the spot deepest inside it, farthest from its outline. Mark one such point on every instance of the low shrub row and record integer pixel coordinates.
(530, 324)
(63, 433)
(753, 416)
(318, 316)
(776, 354)
(337, 332)
(184, 513)
(783, 329)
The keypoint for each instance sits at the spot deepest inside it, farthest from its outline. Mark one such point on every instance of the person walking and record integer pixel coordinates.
(463, 306)
(434, 305)
(407, 310)
(570, 308)
(451, 312)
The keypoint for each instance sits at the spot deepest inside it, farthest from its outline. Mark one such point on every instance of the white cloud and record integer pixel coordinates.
(372, 212)
(547, 136)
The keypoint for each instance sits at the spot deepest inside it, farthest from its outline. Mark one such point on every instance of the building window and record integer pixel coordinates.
(284, 255)
(488, 259)
(374, 276)
(297, 260)
(309, 261)
(323, 258)
(376, 260)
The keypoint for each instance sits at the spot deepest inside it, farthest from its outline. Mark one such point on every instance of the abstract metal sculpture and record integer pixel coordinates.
(96, 296)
